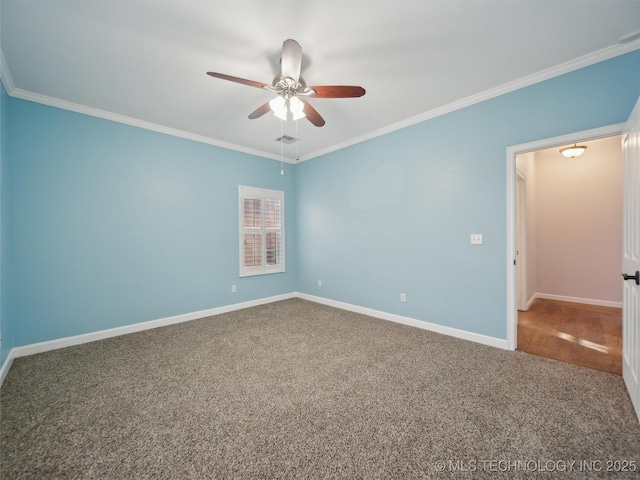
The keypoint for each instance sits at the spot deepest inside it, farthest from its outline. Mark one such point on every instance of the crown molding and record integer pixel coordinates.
(5, 75)
(7, 81)
(135, 122)
(567, 67)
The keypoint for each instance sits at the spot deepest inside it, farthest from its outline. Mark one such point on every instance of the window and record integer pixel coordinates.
(261, 231)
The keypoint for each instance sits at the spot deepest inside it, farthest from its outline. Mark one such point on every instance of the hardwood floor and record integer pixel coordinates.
(586, 335)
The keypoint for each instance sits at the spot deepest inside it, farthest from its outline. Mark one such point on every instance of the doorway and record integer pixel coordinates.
(542, 311)
(570, 309)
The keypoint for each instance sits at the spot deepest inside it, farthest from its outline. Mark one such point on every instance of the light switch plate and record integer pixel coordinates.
(476, 239)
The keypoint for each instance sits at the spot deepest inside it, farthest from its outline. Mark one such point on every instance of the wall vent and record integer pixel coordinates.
(286, 139)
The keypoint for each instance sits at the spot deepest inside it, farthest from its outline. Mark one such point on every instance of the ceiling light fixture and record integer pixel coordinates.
(280, 106)
(574, 151)
(297, 108)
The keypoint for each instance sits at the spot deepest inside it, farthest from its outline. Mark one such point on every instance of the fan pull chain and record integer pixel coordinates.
(297, 142)
(281, 160)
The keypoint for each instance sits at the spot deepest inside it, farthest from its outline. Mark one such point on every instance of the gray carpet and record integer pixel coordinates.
(299, 390)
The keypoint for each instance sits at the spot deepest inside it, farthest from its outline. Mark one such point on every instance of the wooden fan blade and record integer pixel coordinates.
(337, 91)
(312, 115)
(258, 112)
(244, 81)
(291, 60)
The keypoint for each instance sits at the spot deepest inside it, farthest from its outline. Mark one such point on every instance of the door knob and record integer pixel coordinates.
(635, 277)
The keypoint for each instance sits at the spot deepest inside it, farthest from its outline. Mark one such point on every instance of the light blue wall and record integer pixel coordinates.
(394, 214)
(112, 225)
(6, 344)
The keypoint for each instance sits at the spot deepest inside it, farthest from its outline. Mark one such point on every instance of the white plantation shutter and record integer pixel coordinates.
(252, 232)
(261, 231)
(273, 231)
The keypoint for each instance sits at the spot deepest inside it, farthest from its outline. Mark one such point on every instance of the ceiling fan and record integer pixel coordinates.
(289, 86)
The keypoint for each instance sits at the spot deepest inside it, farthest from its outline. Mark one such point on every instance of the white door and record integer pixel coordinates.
(631, 258)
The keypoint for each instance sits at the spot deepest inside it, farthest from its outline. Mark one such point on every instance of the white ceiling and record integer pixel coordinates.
(145, 62)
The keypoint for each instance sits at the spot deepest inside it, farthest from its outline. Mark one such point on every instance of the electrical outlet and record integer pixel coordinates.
(233, 289)
(319, 283)
(476, 239)
(403, 297)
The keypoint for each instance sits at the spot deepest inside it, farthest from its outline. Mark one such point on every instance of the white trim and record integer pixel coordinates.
(576, 64)
(512, 152)
(138, 327)
(531, 300)
(115, 117)
(6, 365)
(412, 322)
(567, 67)
(583, 136)
(585, 301)
(7, 79)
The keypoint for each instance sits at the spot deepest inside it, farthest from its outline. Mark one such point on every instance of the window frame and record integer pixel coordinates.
(263, 195)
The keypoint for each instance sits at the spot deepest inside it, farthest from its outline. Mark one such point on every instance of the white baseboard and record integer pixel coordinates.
(136, 327)
(162, 322)
(453, 332)
(586, 301)
(6, 365)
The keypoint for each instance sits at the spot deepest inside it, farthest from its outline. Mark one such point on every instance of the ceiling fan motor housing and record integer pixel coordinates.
(288, 87)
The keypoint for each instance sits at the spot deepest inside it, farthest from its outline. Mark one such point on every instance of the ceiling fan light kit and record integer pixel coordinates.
(289, 86)
(279, 107)
(297, 108)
